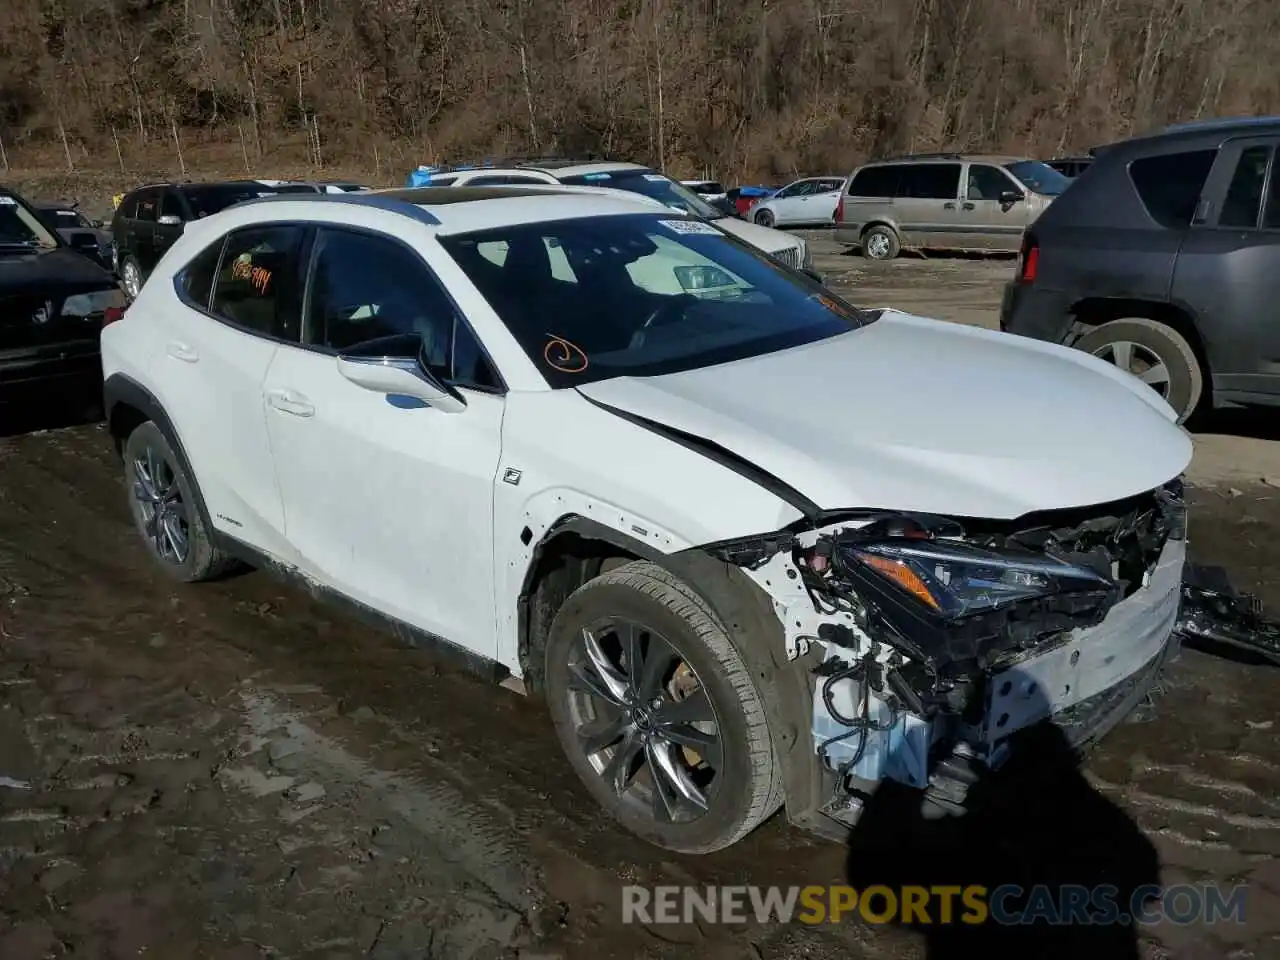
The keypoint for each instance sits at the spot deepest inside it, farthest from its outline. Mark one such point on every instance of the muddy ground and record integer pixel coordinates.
(232, 770)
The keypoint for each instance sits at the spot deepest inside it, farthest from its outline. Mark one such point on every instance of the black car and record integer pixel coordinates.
(53, 303)
(84, 234)
(1164, 258)
(150, 219)
(1070, 167)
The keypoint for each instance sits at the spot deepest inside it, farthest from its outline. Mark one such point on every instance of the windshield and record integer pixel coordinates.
(1039, 177)
(206, 201)
(59, 218)
(21, 226)
(651, 184)
(642, 295)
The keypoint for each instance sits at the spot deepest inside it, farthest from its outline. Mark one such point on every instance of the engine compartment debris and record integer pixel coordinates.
(1214, 614)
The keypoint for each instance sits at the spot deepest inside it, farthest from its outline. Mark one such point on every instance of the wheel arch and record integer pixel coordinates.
(127, 405)
(1092, 312)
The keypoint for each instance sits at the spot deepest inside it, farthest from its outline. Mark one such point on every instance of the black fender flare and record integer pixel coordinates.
(122, 390)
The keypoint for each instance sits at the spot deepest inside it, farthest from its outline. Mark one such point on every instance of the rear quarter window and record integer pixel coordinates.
(875, 182)
(1169, 185)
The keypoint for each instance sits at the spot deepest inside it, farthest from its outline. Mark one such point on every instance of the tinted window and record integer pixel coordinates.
(1039, 177)
(213, 199)
(171, 204)
(367, 288)
(875, 182)
(146, 209)
(499, 180)
(292, 188)
(1169, 185)
(128, 206)
(649, 184)
(196, 280)
(929, 181)
(987, 183)
(641, 295)
(1243, 201)
(21, 226)
(257, 285)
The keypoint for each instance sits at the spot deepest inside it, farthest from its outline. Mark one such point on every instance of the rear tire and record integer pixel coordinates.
(1156, 353)
(131, 276)
(880, 243)
(163, 502)
(736, 779)
(765, 218)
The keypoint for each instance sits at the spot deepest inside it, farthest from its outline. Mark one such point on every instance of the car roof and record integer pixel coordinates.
(464, 209)
(558, 168)
(998, 158)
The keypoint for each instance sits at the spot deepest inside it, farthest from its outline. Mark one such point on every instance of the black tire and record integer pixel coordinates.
(747, 785)
(148, 451)
(880, 243)
(1185, 380)
(764, 218)
(130, 263)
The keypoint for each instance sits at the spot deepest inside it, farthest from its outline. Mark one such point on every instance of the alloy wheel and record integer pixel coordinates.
(161, 507)
(644, 721)
(877, 246)
(1141, 361)
(132, 279)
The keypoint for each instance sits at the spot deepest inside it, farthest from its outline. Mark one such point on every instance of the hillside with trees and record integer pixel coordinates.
(752, 88)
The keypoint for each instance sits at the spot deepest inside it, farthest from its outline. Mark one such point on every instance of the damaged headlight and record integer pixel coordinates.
(957, 579)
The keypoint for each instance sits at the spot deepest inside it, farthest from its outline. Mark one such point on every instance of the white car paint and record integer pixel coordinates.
(802, 203)
(986, 424)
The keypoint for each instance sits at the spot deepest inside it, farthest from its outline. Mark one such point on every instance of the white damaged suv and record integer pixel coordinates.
(756, 546)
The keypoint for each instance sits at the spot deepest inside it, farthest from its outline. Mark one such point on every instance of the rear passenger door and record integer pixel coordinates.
(1228, 270)
(992, 223)
(241, 298)
(926, 206)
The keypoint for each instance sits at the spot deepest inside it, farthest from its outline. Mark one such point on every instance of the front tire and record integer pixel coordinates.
(658, 713)
(131, 276)
(1156, 354)
(162, 500)
(765, 218)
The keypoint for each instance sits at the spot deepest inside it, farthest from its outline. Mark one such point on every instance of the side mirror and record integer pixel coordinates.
(169, 220)
(1012, 196)
(84, 243)
(401, 377)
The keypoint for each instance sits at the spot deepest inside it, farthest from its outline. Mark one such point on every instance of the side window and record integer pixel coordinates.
(501, 180)
(875, 182)
(930, 181)
(365, 287)
(171, 205)
(196, 280)
(257, 284)
(827, 186)
(1243, 201)
(146, 209)
(129, 207)
(1169, 185)
(987, 183)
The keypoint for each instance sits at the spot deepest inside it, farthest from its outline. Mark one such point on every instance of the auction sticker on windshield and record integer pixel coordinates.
(690, 226)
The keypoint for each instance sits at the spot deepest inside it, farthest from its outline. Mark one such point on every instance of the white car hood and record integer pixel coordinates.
(922, 415)
(763, 238)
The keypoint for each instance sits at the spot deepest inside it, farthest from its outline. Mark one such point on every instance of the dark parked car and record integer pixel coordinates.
(53, 303)
(84, 234)
(1164, 259)
(1071, 166)
(150, 219)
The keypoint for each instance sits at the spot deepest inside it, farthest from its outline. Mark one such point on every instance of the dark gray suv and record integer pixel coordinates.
(1164, 258)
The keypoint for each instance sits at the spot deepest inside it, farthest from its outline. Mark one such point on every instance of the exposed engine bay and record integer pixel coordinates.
(941, 637)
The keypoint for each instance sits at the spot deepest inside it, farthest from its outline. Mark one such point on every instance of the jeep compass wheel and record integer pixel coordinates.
(164, 507)
(657, 712)
(1156, 354)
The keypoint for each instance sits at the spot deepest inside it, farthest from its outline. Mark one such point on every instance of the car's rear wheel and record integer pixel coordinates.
(1156, 354)
(880, 243)
(658, 713)
(131, 276)
(764, 218)
(162, 499)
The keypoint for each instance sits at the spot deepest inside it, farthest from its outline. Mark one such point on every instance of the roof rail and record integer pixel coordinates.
(1212, 123)
(374, 200)
(945, 155)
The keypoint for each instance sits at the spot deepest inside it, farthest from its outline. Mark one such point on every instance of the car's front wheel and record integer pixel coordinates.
(163, 501)
(658, 713)
(131, 276)
(764, 218)
(1156, 354)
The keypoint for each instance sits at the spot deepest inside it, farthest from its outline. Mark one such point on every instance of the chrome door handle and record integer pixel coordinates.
(288, 401)
(180, 351)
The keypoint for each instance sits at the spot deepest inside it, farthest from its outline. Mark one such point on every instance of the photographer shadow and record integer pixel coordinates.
(1034, 822)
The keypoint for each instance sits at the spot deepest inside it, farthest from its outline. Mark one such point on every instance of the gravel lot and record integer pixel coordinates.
(232, 770)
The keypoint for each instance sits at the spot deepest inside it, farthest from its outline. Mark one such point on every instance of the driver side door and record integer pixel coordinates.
(788, 203)
(387, 499)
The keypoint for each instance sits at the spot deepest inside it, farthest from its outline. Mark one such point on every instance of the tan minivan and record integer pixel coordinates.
(946, 201)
